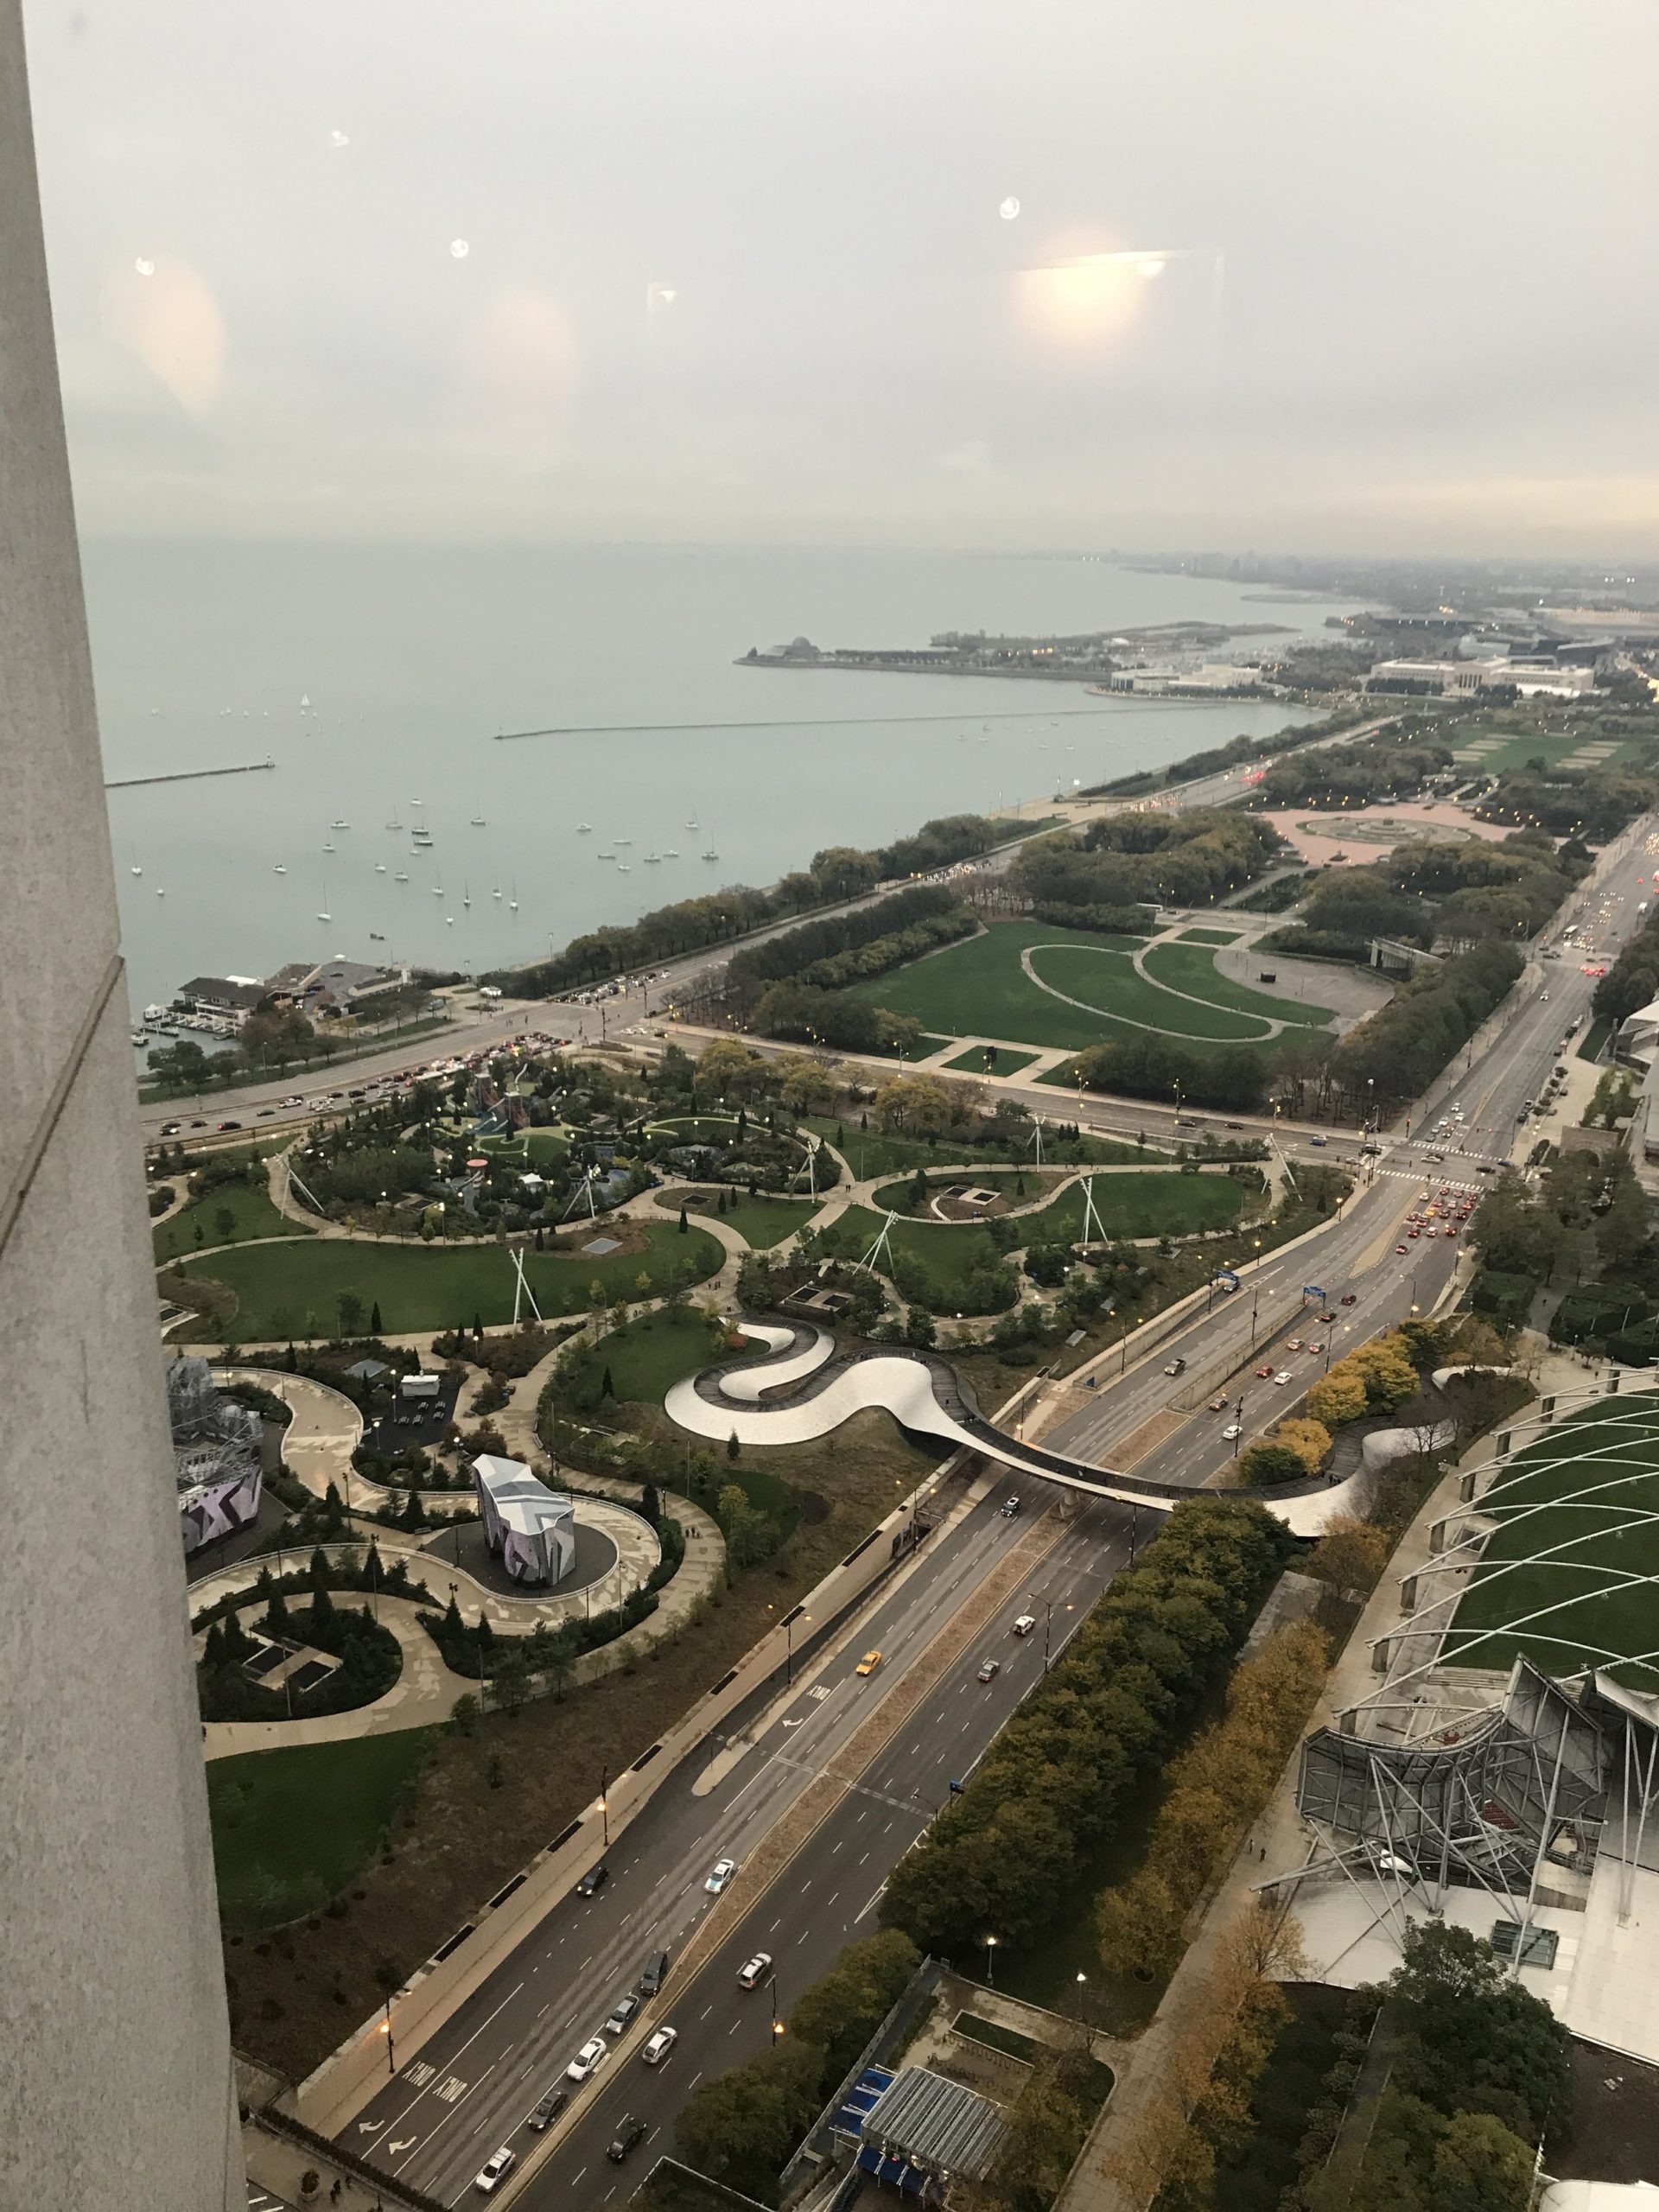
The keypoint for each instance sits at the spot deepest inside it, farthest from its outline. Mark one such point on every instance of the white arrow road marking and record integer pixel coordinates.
(369, 2127)
(402, 2144)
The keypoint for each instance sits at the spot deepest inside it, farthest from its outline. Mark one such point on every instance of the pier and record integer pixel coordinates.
(189, 775)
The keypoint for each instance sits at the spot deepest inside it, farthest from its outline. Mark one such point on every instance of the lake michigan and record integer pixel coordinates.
(378, 678)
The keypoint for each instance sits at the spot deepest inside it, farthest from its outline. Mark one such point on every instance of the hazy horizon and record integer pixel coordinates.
(950, 277)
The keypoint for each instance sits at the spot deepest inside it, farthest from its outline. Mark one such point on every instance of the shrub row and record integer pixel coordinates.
(797, 953)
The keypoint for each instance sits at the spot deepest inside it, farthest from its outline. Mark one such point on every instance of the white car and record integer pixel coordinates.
(660, 2046)
(588, 2060)
(496, 2172)
(755, 1970)
(719, 1874)
(1233, 1431)
(1283, 1376)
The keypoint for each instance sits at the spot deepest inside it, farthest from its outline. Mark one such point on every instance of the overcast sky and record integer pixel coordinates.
(1290, 274)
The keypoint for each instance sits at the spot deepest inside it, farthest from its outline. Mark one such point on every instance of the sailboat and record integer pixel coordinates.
(466, 896)
(693, 824)
(379, 867)
(583, 829)
(495, 894)
(394, 823)
(328, 848)
(281, 868)
(402, 876)
(513, 902)
(137, 870)
(711, 855)
(323, 914)
(670, 852)
(478, 821)
(651, 859)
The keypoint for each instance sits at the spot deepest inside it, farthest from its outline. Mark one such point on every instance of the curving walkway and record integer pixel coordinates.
(800, 1389)
(1271, 1027)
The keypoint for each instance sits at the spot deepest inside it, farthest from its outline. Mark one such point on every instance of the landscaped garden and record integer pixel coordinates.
(1130, 1205)
(292, 1289)
(760, 1221)
(231, 1213)
(981, 989)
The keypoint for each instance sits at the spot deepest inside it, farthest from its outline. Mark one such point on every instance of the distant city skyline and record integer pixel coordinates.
(947, 276)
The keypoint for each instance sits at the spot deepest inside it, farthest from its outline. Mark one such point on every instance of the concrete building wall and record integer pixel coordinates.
(115, 2077)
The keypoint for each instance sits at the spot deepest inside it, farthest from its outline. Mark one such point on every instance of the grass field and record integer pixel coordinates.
(290, 1289)
(760, 1221)
(979, 988)
(973, 1061)
(255, 1216)
(1186, 969)
(291, 1827)
(869, 1152)
(652, 1353)
(1593, 1611)
(1130, 1205)
(1513, 743)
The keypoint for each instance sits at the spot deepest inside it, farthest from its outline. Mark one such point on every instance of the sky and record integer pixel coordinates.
(1288, 275)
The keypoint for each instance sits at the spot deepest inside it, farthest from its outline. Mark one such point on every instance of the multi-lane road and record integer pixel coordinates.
(469, 2086)
(468, 2089)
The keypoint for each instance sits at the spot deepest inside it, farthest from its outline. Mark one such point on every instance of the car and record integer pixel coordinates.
(1451, 1229)
(293, 1099)
(1010, 1509)
(719, 1874)
(264, 1113)
(655, 1974)
(1414, 1233)
(495, 2170)
(1319, 1143)
(1218, 1405)
(754, 1971)
(588, 2060)
(629, 2131)
(1485, 1167)
(990, 1669)
(1312, 1350)
(1233, 1431)
(171, 1129)
(594, 1878)
(1282, 1377)
(1024, 1625)
(230, 1125)
(1292, 1344)
(1400, 1251)
(659, 2046)
(868, 1663)
(623, 2012)
(1176, 1366)
(1264, 1374)
(198, 1125)
(548, 2110)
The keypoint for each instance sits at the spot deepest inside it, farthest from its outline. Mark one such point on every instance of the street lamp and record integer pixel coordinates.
(604, 1808)
(772, 1991)
(990, 1961)
(385, 2029)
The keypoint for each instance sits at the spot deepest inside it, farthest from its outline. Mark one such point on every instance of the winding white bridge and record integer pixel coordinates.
(800, 1389)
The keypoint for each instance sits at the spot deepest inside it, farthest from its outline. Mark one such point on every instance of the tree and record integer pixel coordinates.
(1309, 1440)
(1481, 2166)
(509, 1682)
(920, 1328)
(1469, 2038)
(1264, 1463)
(374, 1318)
(223, 1224)
(349, 1307)
(739, 2128)
(607, 1387)
(1338, 1397)
(1351, 1554)
(727, 1068)
(685, 1226)
(733, 1447)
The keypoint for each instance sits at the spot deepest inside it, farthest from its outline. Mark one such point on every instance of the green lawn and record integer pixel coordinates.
(1130, 1205)
(291, 1827)
(290, 1289)
(977, 988)
(1593, 1614)
(760, 1221)
(1517, 742)
(649, 1355)
(1106, 981)
(1210, 937)
(255, 1216)
(1006, 1062)
(1186, 969)
(871, 1152)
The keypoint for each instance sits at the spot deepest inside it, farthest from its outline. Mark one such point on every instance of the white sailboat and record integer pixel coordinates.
(402, 876)
(281, 868)
(513, 902)
(466, 896)
(583, 829)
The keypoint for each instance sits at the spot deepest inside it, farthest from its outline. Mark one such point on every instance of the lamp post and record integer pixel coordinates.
(604, 1808)
(990, 1962)
(385, 2029)
(772, 1991)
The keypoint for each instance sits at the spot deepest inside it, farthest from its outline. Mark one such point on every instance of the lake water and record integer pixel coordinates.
(412, 659)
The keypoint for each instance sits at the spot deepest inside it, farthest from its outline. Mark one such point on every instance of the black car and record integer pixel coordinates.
(549, 2109)
(629, 2131)
(594, 1878)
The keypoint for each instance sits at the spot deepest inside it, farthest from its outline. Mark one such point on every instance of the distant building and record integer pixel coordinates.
(217, 1451)
(223, 993)
(1466, 679)
(531, 1529)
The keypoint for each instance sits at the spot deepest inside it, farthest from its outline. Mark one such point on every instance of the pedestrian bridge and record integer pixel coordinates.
(800, 1388)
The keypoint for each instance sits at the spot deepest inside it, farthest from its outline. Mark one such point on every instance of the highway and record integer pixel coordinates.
(468, 2089)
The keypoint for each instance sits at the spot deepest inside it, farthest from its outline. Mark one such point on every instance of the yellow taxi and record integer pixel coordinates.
(868, 1663)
